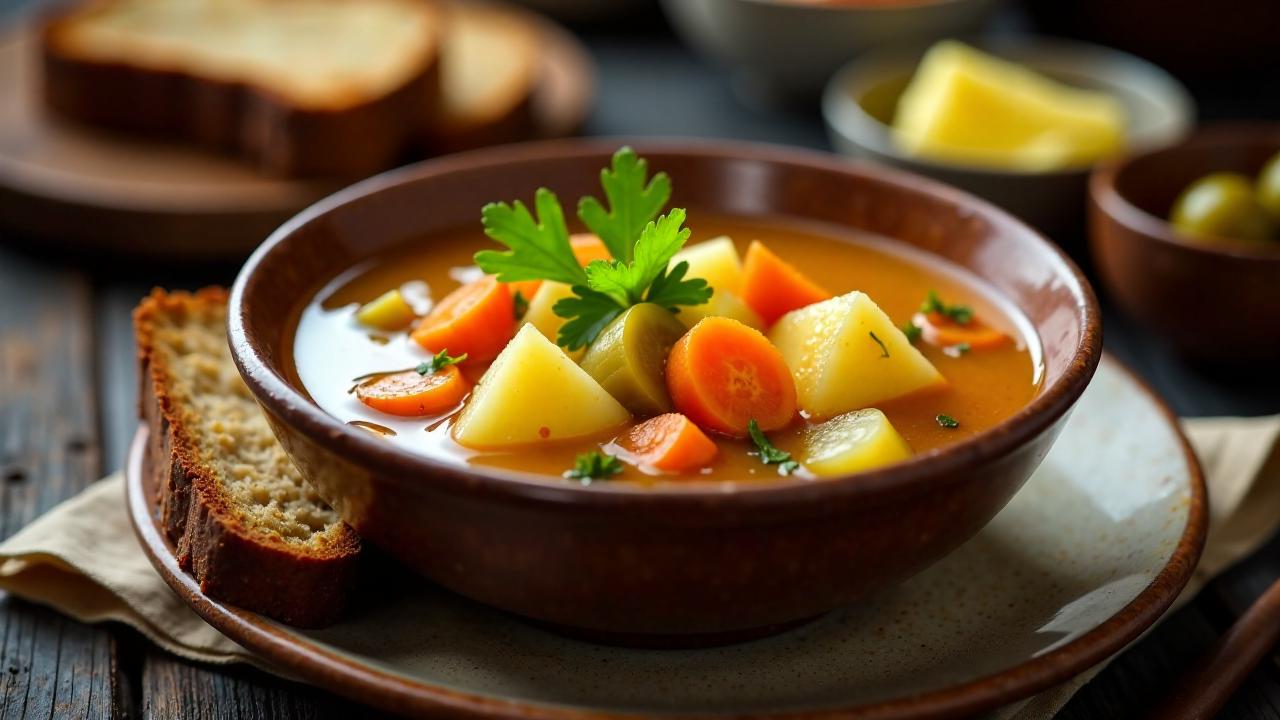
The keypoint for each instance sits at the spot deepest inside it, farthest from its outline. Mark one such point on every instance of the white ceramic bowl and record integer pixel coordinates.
(790, 48)
(860, 100)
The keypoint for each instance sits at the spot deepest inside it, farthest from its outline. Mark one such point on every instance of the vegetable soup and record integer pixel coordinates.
(739, 349)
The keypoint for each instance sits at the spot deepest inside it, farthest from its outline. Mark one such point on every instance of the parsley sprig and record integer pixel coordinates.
(642, 249)
(959, 314)
(632, 203)
(594, 465)
(769, 454)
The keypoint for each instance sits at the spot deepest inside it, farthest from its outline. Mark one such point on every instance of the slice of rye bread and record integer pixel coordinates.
(489, 70)
(245, 524)
(299, 87)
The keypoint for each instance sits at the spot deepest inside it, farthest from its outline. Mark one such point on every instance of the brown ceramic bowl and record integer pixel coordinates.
(1215, 301)
(686, 564)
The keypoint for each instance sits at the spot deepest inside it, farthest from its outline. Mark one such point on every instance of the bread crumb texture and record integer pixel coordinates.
(224, 427)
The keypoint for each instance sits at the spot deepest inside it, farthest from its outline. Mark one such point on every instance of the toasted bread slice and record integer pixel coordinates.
(245, 524)
(301, 87)
(489, 69)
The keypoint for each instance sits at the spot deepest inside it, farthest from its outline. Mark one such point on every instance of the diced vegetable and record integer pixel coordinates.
(941, 331)
(410, 393)
(534, 393)
(389, 312)
(629, 358)
(722, 374)
(587, 247)
(670, 443)
(540, 313)
(773, 287)
(715, 261)
(477, 319)
(853, 442)
(723, 303)
(846, 354)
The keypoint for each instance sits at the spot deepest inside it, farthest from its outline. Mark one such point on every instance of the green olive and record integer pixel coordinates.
(1268, 188)
(1221, 205)
(629, 358)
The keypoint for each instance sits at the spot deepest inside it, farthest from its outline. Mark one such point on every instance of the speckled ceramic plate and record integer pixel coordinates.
(1092, 550)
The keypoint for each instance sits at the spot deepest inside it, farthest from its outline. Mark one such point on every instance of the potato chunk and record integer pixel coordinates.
(541, 316)
(389, 311)
(846, 354)
(723, 303)
(853, 442)
(716, 261)
(534, 393)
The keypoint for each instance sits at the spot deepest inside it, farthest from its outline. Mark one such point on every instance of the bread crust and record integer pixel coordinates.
(238, 118)
(306, 587)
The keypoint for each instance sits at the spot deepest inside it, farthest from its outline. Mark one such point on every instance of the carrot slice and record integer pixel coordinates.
(941, 331)
(412, 394)
(588, 247)
(670, 443)
(722, 374)
(773, 287)
(477, 319)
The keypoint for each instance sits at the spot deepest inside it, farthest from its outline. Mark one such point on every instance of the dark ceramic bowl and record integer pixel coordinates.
(691, 563)
(1217, 302)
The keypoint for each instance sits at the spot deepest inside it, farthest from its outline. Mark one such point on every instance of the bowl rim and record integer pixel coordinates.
(292, 406)
(1106, 196)
(844, 115)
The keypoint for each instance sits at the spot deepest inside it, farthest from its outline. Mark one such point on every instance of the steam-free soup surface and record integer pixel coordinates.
(330, 348)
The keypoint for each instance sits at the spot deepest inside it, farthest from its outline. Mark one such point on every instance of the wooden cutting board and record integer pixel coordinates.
(113, 194)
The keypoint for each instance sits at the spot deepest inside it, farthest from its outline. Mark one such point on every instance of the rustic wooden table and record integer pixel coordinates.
(67, 410)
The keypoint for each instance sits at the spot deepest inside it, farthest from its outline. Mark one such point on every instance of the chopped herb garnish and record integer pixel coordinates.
(642, 248)
(912, 331)
(956, 350)
(959, 314)
(594, 465)
(769, 454)
(520, 304)
(439, 361)
(947, 421)
(884, 351)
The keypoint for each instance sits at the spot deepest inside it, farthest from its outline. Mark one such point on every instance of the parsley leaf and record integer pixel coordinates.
(538, 250)
(769, 454)
(594, 465)
(588, 312)
(519, 303)
(947, 421)
(912, 331)
(670, 289)
(632, 203)
(439, 361)
(884, 351)
(612, 287)
(960, 314)
(956, 350)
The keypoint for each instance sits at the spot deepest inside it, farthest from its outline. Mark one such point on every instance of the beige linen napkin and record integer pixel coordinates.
(82, 559)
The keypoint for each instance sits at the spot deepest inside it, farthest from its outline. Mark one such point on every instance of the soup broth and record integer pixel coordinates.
(330, 348)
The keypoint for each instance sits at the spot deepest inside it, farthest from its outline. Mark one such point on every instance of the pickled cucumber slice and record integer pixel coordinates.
(853, 442)
(630, 356)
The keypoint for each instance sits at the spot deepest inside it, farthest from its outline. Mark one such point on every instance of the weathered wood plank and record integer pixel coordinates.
(175, 689)
(49, 450)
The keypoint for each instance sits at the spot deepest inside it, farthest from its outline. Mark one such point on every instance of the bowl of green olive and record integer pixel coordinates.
(1186, 239)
